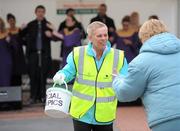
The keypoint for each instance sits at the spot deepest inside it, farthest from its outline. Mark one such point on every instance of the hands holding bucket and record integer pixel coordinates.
(58, 99)
(59, 78)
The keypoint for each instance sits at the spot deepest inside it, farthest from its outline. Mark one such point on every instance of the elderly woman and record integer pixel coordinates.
(93, 104)
(154, 76)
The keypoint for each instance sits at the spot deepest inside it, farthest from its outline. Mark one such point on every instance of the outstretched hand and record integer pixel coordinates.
(50, 26)
(48, 33)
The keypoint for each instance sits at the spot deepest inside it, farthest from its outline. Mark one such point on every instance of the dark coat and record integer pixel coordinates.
(30, 32)
(39, 64)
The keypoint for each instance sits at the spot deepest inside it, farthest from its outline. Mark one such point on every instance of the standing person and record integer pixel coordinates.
(102, 17)
(135, 25)
(18, 58)
(38, 53)
(126, 39)
(93, 104)
(70, 35)
(5, 56)
(70, 12)
(134, 21)
(154, 76)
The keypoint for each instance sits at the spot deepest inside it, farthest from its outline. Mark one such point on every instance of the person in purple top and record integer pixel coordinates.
(70, 35)
(18, 57)
(127, 40)
(5, 56)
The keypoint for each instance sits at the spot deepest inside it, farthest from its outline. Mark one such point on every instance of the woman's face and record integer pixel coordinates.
(69, 21)
(99, 38)
(12, 22)
(125, 25)
(135, 19)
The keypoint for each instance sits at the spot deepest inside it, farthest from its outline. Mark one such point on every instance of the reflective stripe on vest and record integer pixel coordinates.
(91, 98)
(89, 82)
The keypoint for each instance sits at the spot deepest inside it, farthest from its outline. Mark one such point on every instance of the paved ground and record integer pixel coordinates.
(131, 119)
(32, 118)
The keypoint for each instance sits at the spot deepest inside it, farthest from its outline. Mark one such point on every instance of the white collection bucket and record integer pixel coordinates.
(58, 101)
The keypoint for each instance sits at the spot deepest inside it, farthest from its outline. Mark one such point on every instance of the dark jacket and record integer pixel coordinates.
(30, 32)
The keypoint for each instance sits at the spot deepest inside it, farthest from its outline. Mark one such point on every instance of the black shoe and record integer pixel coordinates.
(32, 101)
(43, 100)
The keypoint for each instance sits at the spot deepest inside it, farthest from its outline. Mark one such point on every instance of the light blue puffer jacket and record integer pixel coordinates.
(154, 75)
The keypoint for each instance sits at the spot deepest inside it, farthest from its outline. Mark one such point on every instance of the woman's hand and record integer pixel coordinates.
(50, 26)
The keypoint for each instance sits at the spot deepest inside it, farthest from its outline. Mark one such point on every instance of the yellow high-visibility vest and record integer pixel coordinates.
(93, 86)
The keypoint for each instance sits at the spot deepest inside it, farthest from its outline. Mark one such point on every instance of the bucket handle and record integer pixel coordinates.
(64, 84)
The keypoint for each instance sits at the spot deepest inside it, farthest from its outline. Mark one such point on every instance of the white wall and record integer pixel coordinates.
(165, 9)
(24, 12)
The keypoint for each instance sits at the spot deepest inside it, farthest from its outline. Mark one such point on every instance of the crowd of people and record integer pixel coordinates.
(36, 37)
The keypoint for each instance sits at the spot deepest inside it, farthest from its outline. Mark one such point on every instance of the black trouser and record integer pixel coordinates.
(16, 80)
(81, 126)
(38, 76)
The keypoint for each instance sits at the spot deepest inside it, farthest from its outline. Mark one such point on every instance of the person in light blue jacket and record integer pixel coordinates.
(154, 76)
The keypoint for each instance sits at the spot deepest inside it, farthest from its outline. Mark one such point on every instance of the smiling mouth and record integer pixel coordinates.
(103, 43)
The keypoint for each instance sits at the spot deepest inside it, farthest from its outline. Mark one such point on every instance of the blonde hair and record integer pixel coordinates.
(134, 14)
(94, 26)
(150, 28)
(2, 25)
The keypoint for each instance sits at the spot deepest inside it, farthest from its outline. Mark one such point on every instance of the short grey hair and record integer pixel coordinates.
(93, 26)
(150, 28)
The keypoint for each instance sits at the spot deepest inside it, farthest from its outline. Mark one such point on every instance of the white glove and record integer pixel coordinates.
(59, 78)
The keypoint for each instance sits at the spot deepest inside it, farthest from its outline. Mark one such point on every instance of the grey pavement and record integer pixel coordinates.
(38, 124)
